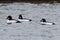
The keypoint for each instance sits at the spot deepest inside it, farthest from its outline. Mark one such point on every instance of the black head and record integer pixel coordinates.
(9, 17)
(43, 20)
(20, 16)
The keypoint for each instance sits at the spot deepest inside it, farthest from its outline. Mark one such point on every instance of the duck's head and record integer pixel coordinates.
(20, 16)
(9, 17)
(43, 20)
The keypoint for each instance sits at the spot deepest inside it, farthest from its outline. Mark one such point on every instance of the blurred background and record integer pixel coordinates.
(31, 1)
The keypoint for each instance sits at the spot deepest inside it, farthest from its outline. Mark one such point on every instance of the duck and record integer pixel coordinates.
(44, 22)
(20, 18)
(10, 20)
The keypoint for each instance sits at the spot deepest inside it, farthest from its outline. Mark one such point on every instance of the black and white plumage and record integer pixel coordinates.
(10, 20)
(20, 18)
(44, 22)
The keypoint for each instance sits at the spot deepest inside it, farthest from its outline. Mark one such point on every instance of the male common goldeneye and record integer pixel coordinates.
(20, 18)
(10, 20)
(44, 22)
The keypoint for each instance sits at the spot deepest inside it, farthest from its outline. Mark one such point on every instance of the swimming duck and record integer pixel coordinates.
(44, 22)
(10, 20)
(20, 18)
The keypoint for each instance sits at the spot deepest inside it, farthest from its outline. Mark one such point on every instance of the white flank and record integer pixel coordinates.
(46, 23)
(11, 21)
(22, 20)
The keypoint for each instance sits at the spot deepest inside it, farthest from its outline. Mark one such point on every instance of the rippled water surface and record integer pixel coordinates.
(30, 30)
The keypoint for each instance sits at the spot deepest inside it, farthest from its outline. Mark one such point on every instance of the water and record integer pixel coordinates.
(30, 30)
